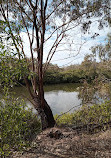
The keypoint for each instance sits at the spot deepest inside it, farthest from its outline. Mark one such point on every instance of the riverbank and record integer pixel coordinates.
(70, 145)
(85, 133)
(75, 134)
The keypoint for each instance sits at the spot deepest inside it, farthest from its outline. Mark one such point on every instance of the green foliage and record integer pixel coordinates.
(59, 75)
(89, 70)
(103, 50)
(95, 114)
(53, 77)
(64, 119)
(18, 125)
(12, 70)
(97, 91)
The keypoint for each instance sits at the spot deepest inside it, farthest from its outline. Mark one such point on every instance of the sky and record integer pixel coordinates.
(82, 46)
(68, 54)
(73, 49)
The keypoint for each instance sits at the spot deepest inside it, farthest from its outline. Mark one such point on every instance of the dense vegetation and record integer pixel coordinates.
(87, 70)
(97, 115)
(18, 125)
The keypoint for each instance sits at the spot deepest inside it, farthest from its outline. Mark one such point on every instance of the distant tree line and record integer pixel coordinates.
(88, 70)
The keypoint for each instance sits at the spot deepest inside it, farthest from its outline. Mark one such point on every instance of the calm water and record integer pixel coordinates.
(60, 97)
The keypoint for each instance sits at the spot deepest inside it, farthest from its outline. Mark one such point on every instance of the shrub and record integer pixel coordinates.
(17, 125)
(95, 114)
(65, 119)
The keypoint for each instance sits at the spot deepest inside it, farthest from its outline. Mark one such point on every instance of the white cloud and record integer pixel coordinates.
(66, 53)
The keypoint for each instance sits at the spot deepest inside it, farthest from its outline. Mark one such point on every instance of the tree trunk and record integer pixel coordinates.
(45, 113)
(49, 115)
(44, 110)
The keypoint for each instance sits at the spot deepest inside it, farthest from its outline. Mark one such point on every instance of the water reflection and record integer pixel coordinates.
(61, 101)
(60, 97)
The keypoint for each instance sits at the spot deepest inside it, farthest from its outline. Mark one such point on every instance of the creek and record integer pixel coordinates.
(60, 97)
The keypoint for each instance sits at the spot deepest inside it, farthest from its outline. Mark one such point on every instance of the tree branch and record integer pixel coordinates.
(12, 35)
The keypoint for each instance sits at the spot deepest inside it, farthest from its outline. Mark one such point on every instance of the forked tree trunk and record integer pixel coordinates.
(45, 113)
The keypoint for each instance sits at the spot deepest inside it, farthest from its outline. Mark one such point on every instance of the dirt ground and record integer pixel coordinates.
(70, 144)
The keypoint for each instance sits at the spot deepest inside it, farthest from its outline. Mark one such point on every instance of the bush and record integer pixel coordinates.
(95, 114)
(18, 125)
(65, 119)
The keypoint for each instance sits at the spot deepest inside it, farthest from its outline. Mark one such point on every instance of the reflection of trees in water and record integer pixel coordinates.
(67, 87)
(60, 96)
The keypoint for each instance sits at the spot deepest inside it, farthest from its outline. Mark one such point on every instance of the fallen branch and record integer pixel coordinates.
(68, 111)
(91, 128)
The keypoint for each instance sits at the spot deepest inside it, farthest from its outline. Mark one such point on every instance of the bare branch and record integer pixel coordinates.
(21, 45)
(55, 45)
(28, 87)
(59, 27)
(31, 4)
(74, 107)
(21, 8)
(31, 42)
(45, 5)
(28, 5)
(54, 10)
